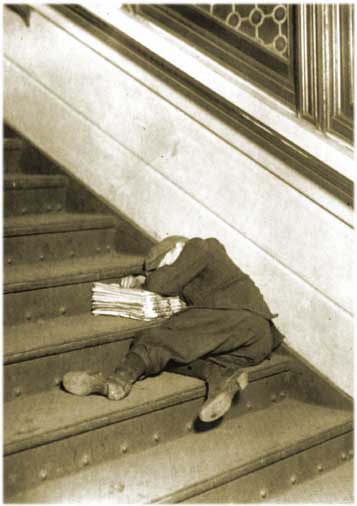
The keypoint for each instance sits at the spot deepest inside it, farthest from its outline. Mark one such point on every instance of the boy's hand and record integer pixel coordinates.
(132, 281)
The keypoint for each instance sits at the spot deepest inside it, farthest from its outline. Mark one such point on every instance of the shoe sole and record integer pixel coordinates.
(83, 383)
(221, 403)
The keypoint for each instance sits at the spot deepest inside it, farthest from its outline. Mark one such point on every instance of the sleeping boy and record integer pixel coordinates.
(225, 327)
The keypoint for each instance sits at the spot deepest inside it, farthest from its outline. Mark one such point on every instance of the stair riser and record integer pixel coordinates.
(44, 303)
(12, 160)
(136, 434)
(41, 374)
(39, 248)
(265, 484)
(34, 201)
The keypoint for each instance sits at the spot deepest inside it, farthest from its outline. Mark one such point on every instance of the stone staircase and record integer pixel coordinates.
(289, 426)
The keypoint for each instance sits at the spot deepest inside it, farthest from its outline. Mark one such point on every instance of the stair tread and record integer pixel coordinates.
(64, 334)
(59, 222)
(55, 413)
(174, 471)
(56, 273)
(16, 181)
(78, 414)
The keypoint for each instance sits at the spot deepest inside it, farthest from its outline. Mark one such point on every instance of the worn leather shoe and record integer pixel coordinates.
(221, 394)
(82, 383)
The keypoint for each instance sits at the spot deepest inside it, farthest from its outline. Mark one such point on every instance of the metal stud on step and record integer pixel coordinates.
(49, 207)
(12, 478)
(273, 398)
(9, 261)
(17, 391)
(43, 474)
(320, 468)
(63, 310)
(263, 493)
(156, 437)
(99, 249)
(282, 395)
(42, 257)
(293, 479)
(108, 247)
(124, 448)
(71, 254)
(28, 316)
(249, 406)
(23, 210)
(57, 381)
(85, 459)
(343, 456)
(189, 426)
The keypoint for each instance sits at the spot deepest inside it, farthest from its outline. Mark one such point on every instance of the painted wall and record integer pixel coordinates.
(170, 175)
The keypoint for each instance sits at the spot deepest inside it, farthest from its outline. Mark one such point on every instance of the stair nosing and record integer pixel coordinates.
(18, 181)
(92, 274)
(70, 223)
(13, 144)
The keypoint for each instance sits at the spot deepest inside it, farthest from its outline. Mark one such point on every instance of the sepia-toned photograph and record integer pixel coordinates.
(178, 220)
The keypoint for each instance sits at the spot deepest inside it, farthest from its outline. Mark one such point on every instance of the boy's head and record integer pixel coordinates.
(165, 252)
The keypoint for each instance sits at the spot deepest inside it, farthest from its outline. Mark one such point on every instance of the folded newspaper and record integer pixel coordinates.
(111, 299)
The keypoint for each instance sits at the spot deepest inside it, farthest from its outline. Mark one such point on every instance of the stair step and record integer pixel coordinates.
(38, 361)
(27, 341)
(158, 409)
(197, 463)
(94, 411)
(37, 355)
(55, 414)
(51, 289)
(41, 237)
(51, 274)
(33, 194)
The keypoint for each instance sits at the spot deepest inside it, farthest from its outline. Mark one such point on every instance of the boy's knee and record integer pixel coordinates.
(263, 346)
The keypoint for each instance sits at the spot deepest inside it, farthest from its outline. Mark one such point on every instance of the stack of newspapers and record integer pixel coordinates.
(111, 299)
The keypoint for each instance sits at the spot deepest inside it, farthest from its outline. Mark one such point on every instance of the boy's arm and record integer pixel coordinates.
(171, 279)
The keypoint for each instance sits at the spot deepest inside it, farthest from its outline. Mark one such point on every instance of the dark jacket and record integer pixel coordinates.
(205, 276)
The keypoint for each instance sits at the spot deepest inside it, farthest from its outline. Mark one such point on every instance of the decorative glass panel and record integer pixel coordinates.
(266, 25)
(255, 41)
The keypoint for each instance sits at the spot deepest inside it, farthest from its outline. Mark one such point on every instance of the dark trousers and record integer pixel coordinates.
(231, 337)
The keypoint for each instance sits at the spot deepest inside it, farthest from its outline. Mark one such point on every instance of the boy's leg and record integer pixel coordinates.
(193, 334)
(233, 379)
(222, 369)
(223, 382)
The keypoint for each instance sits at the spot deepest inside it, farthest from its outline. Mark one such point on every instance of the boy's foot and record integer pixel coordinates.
(114, 387)
(220, 395)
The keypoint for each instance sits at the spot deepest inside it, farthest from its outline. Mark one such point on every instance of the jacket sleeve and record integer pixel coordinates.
(171, 279)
